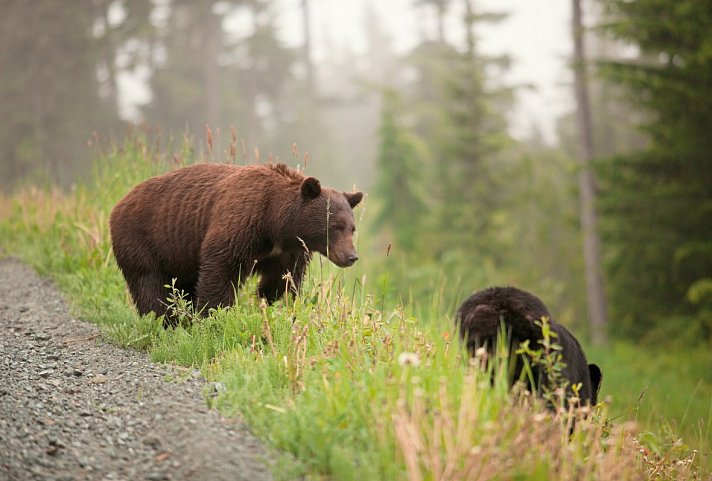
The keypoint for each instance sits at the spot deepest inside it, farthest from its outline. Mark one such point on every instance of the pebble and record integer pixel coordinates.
(62, 417)
(157, 477)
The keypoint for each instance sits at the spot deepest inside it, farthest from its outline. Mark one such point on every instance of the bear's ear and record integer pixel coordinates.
(354, 198)
(311, 188)
(596, 378)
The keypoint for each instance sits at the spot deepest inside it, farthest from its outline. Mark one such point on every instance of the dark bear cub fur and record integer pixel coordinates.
(210, 226)
(480, 318)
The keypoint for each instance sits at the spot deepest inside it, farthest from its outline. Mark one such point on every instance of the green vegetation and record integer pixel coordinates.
(445, 175)
(657, 202)
(667, 392)
(456, 204)
(349, 388)
(452, 184)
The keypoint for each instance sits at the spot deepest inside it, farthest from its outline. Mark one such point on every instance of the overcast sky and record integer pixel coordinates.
(536, 35)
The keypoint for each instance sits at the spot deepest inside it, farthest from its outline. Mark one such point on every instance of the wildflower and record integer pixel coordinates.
(539, 417)
(408, 359)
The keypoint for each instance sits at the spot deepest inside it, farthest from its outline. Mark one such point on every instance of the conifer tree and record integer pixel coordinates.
(658, 202)
(51, 89)
(595, 295)
(458, 114)
(400, 176)
(203, 74)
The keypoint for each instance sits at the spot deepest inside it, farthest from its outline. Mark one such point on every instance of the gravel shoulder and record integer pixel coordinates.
(73, 407)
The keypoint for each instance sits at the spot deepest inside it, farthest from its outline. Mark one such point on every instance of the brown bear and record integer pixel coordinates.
(480, 320)
(210, 226)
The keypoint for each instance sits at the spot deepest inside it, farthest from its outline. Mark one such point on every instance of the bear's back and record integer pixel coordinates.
(168, 216)
(166, 203)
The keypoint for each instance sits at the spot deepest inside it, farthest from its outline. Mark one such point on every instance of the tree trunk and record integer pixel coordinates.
(587, 192)
(441, 7)
(307, 47)
(212, 37)
(469, 35)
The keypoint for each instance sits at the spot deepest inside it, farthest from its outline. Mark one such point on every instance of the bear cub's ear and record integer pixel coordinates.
(311, 188)
(353, 199)
(596, 377)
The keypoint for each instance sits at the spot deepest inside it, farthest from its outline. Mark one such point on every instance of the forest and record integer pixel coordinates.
(605, 212)
(423, 131)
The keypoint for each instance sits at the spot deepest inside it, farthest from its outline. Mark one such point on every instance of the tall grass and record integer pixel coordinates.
(667, 392)
(347, 387)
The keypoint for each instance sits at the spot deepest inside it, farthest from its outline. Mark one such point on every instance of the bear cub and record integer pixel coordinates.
(210, 226)
(480, 317)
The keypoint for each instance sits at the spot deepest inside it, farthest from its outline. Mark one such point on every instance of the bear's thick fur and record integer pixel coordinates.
(480, 318)
(210, 226)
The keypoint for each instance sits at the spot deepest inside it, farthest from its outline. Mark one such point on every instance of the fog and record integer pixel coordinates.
(70, 74)
(534, 35)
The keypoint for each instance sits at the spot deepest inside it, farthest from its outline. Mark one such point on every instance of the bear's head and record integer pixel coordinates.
(327, 221)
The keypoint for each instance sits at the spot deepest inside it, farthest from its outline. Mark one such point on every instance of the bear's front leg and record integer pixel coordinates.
(273, 270)
(220, 274)
(216, 287)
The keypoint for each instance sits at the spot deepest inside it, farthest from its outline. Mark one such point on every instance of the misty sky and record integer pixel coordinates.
(535, 35)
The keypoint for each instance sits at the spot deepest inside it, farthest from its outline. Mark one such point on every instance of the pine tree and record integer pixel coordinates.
(50, 90)
(400, 176)
(204, 75)
(469, 138)
(658, 202)
(453, 110)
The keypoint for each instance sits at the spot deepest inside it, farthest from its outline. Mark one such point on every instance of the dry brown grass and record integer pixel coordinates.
(463, 441)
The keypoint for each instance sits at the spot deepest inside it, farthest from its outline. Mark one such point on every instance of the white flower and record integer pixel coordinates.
(408, 359)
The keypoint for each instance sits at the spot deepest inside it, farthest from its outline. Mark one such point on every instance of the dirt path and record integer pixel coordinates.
(73, 407)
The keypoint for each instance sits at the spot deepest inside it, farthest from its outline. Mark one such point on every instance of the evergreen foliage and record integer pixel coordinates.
(399, 185)
(203, 72)
(55, 89)
(453, 113)
(657, 202)
(495, 211)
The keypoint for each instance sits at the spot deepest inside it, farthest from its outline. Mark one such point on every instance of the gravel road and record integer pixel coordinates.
(73, 407)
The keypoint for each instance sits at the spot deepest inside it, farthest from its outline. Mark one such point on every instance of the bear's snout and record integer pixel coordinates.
(346, 259)
(351, 260)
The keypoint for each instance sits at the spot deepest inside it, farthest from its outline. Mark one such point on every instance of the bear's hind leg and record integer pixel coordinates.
(149, 293)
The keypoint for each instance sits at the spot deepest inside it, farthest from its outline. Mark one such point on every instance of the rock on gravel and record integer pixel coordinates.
(73, 407)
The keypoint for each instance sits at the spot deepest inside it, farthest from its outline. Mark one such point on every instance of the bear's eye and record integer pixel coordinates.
(353, 229)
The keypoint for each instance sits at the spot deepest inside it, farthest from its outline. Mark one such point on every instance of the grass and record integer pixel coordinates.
(669, 393)
(346, 387)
